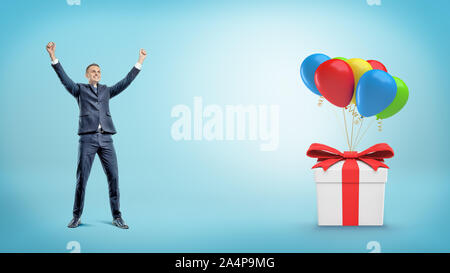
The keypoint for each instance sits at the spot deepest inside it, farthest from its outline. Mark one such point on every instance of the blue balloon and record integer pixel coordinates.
(375, 91)
(308, 69)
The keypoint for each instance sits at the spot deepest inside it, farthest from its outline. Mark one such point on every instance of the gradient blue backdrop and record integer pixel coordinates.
(215, 196)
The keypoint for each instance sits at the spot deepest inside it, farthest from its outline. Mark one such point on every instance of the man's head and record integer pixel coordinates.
(93, 73)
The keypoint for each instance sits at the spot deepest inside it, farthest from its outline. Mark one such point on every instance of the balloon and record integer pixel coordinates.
(375, 92)
(359, 67)
(399, 101)
(334, 80)
(377, 65)
(308, 69)
(340, 58)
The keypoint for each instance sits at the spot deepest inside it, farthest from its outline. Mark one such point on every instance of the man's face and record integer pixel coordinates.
(93, 74)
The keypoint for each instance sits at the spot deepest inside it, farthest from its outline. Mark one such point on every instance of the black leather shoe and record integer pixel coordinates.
(75, 222)
(120, 223)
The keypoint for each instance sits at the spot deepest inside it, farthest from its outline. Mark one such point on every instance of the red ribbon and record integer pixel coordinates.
(328, 156)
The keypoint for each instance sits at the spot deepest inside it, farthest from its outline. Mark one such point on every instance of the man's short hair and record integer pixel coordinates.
(93, 64)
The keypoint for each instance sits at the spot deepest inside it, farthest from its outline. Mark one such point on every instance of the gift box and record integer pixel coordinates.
(350, 185)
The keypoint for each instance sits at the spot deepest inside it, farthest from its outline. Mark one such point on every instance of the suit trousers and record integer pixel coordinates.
(89, 146)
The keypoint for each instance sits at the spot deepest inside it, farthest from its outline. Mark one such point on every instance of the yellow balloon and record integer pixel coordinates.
(359, 67)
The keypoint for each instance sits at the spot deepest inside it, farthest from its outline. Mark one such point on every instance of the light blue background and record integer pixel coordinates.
(215, 196)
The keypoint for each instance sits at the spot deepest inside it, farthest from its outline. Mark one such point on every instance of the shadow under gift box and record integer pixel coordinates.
(363, 200)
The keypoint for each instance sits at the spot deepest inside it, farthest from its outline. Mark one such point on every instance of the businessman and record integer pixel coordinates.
(95, 129)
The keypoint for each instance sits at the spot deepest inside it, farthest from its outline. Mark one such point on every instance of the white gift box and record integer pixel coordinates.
(330, 195)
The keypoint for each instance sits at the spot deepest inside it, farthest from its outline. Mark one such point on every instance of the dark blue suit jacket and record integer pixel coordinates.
(94, 107)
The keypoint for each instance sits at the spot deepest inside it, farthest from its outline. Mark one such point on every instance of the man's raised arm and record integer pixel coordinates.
(72, 87)
(120, 86)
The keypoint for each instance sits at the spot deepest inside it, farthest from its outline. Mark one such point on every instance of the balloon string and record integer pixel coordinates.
(356, 115)
(362, 136)
(320, 102)
(380, 125)
(345, 125)
(357, 119)
(351, 110)
(351, 139)
(359, 130)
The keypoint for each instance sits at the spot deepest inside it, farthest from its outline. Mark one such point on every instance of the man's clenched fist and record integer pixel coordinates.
(142, 55)
(51, 50)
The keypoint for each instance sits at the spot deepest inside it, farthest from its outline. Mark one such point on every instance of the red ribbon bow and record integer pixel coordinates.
(328, 156)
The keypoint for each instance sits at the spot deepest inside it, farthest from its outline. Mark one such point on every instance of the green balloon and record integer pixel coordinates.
(399, 101)
(340, 58)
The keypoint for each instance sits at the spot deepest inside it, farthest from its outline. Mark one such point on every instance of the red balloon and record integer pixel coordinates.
(334, 80)
(377, 65)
